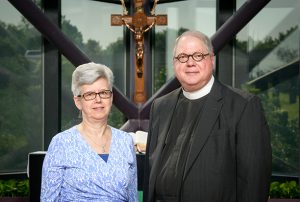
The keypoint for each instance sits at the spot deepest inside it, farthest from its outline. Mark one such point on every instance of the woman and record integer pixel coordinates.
(91, 161)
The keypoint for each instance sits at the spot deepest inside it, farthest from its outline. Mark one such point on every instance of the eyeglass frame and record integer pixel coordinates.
(191, 55)
(95, 94)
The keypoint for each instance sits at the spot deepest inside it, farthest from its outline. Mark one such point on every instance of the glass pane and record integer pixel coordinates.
(267, 60)
(21, 90)
(182, 15)
(87, 24)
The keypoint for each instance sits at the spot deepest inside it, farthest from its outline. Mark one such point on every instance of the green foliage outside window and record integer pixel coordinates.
(283, 124)
(21, 95)
(14, 188)
(286, 190)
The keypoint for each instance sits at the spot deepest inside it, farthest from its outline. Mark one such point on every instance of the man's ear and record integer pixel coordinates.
(213, 59)
(77, 102)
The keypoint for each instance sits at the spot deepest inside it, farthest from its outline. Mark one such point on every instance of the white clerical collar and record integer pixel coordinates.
(199, 93)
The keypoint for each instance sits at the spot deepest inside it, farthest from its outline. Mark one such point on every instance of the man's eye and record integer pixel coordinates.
(198, 55)
(182, 56)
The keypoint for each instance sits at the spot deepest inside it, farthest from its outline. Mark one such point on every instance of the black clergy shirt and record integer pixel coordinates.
(175, 151)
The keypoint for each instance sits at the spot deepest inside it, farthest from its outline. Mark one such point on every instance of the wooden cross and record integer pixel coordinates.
(139, 23)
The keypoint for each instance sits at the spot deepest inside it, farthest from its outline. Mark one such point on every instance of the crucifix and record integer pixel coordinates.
(138, 24)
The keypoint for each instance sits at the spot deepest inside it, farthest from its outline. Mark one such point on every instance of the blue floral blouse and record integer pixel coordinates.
(73, 171)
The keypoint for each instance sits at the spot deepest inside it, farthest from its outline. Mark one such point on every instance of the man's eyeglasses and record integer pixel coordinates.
(104, 94)
(197, 56)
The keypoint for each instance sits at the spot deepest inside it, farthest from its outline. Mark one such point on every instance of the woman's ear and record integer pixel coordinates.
(77, 102)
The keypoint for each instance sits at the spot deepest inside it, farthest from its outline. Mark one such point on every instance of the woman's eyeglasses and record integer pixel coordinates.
(104, 94)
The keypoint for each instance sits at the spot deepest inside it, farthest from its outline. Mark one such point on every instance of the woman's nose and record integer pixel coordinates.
(98, 98)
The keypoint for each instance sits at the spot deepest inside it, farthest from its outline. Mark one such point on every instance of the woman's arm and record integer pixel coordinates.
(132, 187)
(52, 173)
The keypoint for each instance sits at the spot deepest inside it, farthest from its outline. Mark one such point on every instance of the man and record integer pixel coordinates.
(207, 142)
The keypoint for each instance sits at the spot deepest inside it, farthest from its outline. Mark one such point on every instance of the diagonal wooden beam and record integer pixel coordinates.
(53, 33)
(236, 22)
(50, 31)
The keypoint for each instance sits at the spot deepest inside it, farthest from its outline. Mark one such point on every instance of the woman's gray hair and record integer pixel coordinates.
(201, 36)
(88, 73)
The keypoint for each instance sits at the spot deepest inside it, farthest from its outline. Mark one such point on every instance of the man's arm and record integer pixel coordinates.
(254, 154)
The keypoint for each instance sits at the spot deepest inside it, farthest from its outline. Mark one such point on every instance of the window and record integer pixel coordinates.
(21, 89)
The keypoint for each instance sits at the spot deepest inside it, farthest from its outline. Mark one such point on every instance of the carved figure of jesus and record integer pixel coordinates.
(138, 24)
